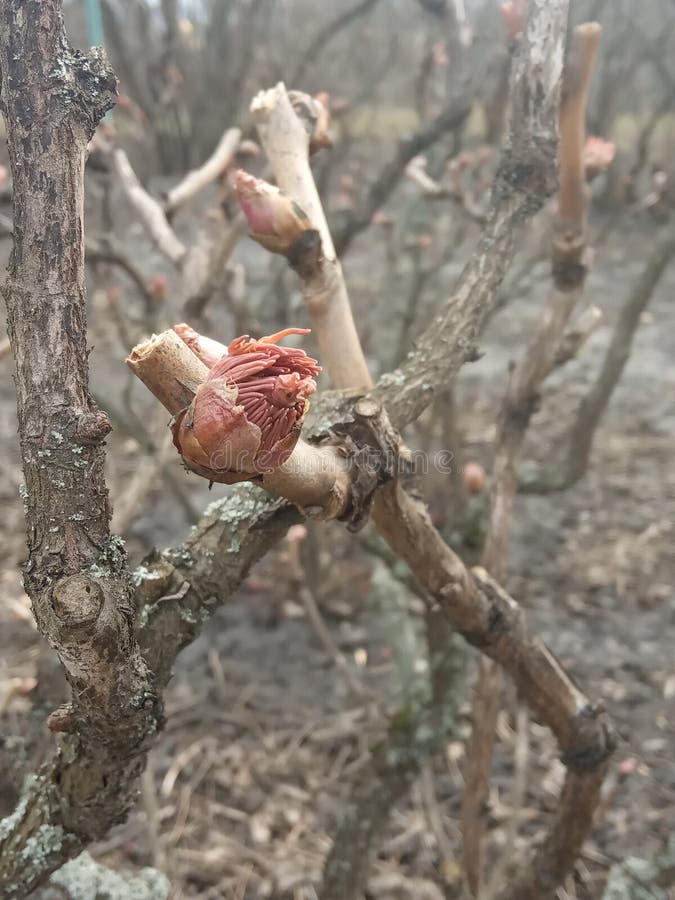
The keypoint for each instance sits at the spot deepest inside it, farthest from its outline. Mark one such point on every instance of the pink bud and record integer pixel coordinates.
(440, 54)
(158, 286)
(208, 350)
(246, 417)
(513, 12)
(276, 221)
(321, 138)
(598, 155)
(473, 476)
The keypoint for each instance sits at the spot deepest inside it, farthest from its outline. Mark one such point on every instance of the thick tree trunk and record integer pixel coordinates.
(76, 573)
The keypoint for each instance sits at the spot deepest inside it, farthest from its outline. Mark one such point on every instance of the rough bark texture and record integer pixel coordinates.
(76, 576)
(179, 589)
(474, 603)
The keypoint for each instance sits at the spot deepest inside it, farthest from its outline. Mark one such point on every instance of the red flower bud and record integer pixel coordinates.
(276, 221)
(246, 417)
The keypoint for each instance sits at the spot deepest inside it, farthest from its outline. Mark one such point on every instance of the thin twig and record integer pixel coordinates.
(212, 168)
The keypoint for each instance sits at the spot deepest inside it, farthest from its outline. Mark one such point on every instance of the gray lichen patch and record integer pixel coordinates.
(40, 847)
(83, 878)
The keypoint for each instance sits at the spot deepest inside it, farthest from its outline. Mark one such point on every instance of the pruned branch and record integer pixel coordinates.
(285, 137)
(568, 243)
(579, 442)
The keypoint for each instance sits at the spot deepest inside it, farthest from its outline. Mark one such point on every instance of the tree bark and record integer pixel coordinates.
(76, 574)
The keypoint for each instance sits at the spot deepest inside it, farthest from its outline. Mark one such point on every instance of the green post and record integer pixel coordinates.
(94, 22)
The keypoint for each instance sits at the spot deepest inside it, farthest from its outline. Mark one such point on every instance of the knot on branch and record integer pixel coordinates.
(370, 444)
(532, 175)
(593, 742)
(77, 601)
(92, 90)
(570, 258)
(93, 426)
(306, 255)
(62, 719)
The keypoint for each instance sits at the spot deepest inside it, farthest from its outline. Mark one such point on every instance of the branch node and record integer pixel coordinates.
(93, 426)
(594, 740)
(61, 720)
(77, 601)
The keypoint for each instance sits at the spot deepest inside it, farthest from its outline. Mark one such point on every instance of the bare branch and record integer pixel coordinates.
(106, 250)
(517, 409)
(326, 34)
(198, 179)
(450, 118)
(579, 442)
(574, 339)
(150, 211)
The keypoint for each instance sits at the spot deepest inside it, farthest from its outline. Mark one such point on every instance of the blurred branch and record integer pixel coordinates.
(395, 764)
(105, 249)
(149, 210)
(6, 226)
(221, 253)
(198, 179)
(579, 442)
(450, 118)
(574, 339)
(326, 34)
